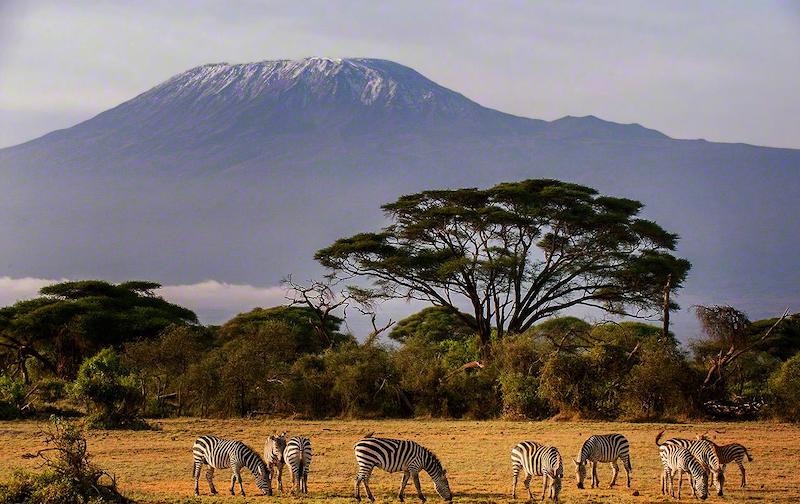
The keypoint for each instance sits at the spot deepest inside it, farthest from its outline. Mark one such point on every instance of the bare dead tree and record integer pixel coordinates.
(323, 299)
(665, 308)
(729, 328)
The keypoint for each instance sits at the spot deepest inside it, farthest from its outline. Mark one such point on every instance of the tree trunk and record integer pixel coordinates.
(665, 313)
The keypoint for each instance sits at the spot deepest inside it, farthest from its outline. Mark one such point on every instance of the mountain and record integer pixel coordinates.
(240, 172)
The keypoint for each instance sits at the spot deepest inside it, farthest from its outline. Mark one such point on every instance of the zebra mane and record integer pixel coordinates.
(252, 459)
(434, 465)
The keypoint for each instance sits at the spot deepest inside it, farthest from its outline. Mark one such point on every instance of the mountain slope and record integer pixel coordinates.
(241, 172)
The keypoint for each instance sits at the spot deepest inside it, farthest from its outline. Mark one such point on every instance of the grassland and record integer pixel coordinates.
(155, 466)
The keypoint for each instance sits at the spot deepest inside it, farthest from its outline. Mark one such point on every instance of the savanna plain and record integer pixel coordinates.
(156, 465)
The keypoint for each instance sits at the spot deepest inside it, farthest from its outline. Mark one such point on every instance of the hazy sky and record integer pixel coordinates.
(726, 71)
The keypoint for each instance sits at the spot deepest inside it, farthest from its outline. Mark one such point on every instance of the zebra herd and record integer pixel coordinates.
(701, 459)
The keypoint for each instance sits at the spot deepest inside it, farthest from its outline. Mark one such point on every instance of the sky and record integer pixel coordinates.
(723, 71)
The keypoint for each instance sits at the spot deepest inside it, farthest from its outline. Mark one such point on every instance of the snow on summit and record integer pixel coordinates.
(369, 82)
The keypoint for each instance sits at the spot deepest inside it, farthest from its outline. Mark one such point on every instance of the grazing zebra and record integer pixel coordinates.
(273, 455)
(606, 448)
(734, 452)
(393, 455)
(537, 460)
(297, 455)
(677, 458)
(222, 453)
(707, 453)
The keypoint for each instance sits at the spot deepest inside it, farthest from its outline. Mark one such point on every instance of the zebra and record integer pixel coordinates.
(734, 452)
(273, 455)
(222, 453)
(705, 451)
(537, 460)
(606, 448)
(393, 455)
(297, 455)
(677, 458)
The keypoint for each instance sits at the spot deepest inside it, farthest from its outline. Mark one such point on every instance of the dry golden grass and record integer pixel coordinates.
(156, 466)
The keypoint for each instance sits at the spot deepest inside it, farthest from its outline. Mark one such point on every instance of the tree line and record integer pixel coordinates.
(497, 266)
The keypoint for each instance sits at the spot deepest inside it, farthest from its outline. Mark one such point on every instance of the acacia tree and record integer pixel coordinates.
(515, 253)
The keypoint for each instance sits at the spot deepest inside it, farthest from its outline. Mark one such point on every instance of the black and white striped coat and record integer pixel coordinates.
(297, 455)
(734, 452)
(273, 456)
(537, 460)
(393, 455)
(219, 453)
(606, 448)
(706, 452)
(678, 459)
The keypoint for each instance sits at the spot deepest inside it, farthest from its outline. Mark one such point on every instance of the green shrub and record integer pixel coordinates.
(568, 382)
(784, 384)
(109, 390)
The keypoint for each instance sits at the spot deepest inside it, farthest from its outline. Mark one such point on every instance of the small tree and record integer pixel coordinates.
(109, 390)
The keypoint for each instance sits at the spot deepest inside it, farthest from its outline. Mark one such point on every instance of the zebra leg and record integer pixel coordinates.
(357, 490)
(415, 477)
(369, 492)
(741, 468)
(614, 473)
(514, 477)
(680, 482)
(280, 476)
(305, 479)
(527, 484)
(595, 479)
(544, 485)
(233, 483)
(210, 479)
(403, 484)
(626, 463)
(196, 475)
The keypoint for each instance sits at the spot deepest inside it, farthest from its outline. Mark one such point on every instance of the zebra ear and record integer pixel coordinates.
(283, 434)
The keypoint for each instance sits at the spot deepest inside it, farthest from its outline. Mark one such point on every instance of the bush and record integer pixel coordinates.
(110, 391)
(568, 382)
(656, 385)
(784, 384)
(68, 477)
(519, 360)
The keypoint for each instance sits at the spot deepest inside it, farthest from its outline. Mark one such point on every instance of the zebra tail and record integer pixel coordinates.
(658, 438)
(749, 458)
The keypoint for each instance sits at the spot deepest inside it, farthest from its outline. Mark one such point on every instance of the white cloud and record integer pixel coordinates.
(18, 289)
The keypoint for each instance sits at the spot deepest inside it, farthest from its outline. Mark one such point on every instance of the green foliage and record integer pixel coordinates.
(74, 320)
(12, 398)
(300, 320)
(568, 382)
(435, 323)
(68, 476)
(516, 252)
(109, 390)
(784, 384)
(520, 359)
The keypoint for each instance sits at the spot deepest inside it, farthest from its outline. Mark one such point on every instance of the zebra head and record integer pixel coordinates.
(263, 477)
(442, 485)
(580, 472)
(276, 444)
(558, 475)
(700, 484)
(719, 480)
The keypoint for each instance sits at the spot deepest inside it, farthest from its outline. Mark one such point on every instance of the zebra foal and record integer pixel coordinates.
(298, 456)
(223, 453)
(674, 459)
(606, 448)
(537, 460)
(393, 455)
(273, 455)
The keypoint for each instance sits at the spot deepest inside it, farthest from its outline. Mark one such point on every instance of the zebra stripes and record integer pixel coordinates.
(537, 460)
(223, 453)
(675, 458)
(734, 452)
(605, 448)
(297, 455)
(705, 452)
(393, 455)
(273, 455)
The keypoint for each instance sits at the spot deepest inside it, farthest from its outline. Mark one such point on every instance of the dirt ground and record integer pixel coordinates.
(156, 466)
